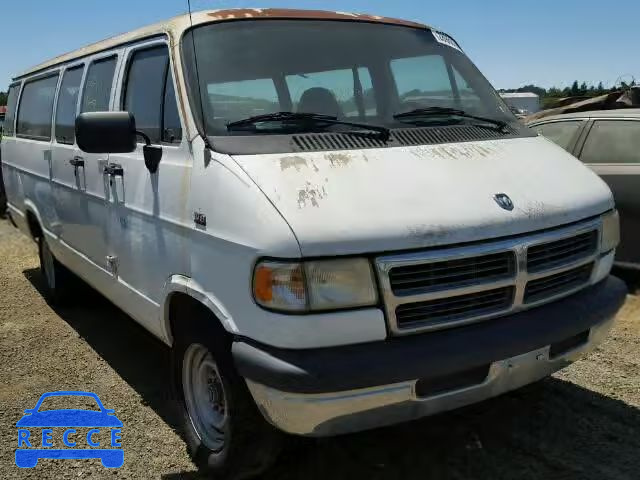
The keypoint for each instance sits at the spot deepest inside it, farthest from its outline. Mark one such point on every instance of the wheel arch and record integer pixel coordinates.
(182, 292)
(33, 219)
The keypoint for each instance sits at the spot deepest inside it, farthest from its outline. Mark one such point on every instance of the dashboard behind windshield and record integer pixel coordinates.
(358, 71)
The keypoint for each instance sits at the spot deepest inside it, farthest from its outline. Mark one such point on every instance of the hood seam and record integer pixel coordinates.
(232, 157)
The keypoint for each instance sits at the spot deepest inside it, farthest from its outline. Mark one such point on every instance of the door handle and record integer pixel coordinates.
(77, 162)
(114, 170)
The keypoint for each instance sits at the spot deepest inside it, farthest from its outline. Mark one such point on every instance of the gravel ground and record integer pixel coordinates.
(582, 423)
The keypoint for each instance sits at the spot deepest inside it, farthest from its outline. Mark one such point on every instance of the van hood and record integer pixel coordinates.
(380, 200)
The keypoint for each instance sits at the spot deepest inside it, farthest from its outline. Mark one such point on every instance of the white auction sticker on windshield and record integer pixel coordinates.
(445, 39)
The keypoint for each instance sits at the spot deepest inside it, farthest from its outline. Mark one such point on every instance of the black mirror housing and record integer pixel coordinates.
(106, 132)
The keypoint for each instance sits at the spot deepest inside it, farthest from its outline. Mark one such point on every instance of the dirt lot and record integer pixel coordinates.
(582, 423)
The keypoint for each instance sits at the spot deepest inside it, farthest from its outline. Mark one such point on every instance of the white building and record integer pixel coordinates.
(525, 101)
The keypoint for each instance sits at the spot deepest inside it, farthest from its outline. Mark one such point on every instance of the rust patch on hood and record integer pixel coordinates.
(298, 163)
(339, 159)
(292, 162)
(286, 13)
(310, 195)
(457, 151)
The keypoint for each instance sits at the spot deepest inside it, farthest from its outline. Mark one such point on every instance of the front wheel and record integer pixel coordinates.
(224, 432)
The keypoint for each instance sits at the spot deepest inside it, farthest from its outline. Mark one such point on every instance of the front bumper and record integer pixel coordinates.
(338, 390)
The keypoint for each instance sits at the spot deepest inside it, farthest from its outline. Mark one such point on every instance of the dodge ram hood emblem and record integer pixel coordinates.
(504, 201)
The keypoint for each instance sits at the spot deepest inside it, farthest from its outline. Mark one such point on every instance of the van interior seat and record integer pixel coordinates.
(319, 100)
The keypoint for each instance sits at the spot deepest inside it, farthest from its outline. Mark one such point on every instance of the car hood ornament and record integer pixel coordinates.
(504, 201)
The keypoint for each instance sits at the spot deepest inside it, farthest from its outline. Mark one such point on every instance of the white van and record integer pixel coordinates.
(332, 219)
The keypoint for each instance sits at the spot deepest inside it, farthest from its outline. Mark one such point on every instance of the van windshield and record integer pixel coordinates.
(354, 71)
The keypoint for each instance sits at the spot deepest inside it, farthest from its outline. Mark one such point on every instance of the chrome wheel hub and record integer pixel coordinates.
(205, 396)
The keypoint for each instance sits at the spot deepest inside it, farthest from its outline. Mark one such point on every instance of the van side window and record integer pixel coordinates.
(67, 105)
(36, 108)
(144, 89)
(171, 127)
(612, 141)
(97, 86)
(561, 133)
(10, 116)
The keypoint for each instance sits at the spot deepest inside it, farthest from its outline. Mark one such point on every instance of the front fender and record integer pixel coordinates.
(188, 286)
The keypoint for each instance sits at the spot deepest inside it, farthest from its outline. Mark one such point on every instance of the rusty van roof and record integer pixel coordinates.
(175, 27)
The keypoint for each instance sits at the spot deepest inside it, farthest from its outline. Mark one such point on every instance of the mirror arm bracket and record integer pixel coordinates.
(152, 153)
(145, 137)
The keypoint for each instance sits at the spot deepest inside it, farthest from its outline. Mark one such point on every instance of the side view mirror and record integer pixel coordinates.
(114, 132)
(106, 132)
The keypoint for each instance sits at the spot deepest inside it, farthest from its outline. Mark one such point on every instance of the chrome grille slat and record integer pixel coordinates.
(488, 265)
(548, 286)
(562, 249)
(451, 301)
(463, 273)
(549, 259)
(470, 304)
(448, 287)
(450, 272)
(546, 255)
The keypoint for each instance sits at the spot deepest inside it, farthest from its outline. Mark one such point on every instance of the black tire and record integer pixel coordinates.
(251, 445)
(58, 280)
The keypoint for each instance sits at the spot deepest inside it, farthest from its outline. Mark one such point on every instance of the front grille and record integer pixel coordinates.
(455, 308)
(561, 252)
(450, 287)
(408, 280)
(559, 283)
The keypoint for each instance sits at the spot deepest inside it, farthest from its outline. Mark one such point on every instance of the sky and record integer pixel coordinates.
(514, 43)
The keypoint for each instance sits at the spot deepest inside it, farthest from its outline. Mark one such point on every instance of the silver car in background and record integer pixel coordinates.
(608, 141)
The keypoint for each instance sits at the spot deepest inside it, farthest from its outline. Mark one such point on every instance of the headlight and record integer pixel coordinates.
(315, 285)
(610, 236)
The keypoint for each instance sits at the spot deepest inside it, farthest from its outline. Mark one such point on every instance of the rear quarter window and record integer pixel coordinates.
(561, 133)
(36, 108)
(612, 141)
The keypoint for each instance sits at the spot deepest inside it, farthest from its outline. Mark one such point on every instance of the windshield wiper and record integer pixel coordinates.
(314, 119)
(444, 111)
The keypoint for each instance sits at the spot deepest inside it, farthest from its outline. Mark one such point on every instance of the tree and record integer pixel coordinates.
(3, 98)
(554, 92)
(575, 89)
(600, 88)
